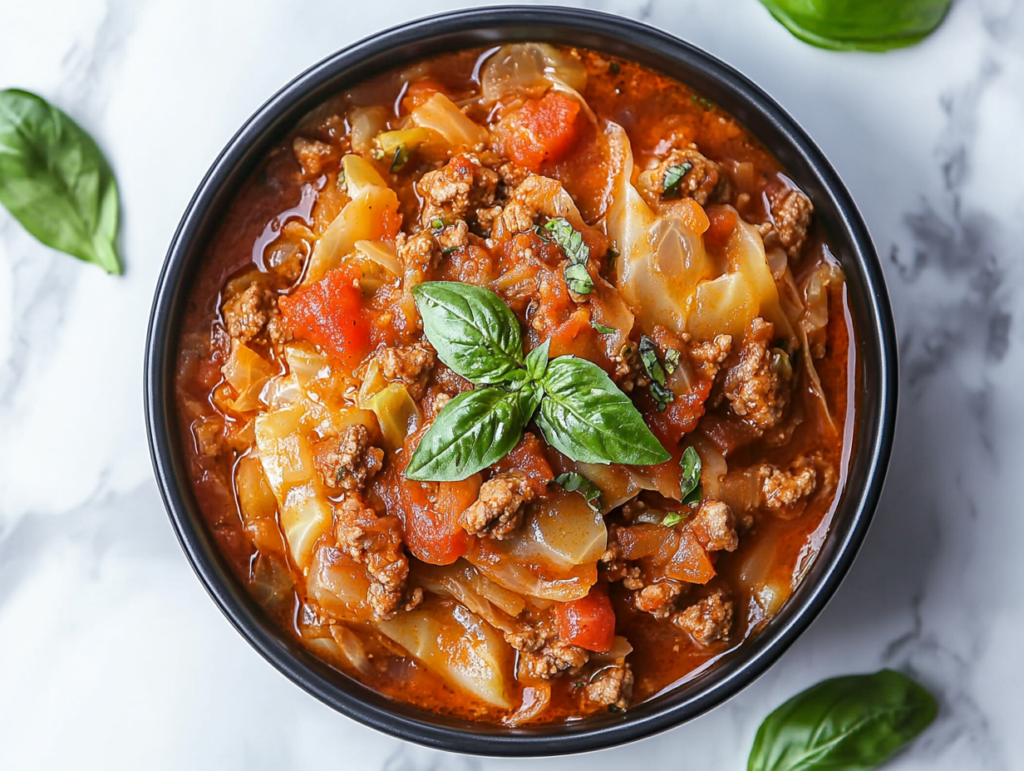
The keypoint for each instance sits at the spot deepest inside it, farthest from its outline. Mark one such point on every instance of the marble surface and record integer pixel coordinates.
(111, 654)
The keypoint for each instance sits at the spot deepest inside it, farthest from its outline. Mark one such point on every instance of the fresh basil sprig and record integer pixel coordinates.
(578, 408)
(852, 723)
(689, 483)
(866, 25)
(577, 277)
(55, 181)
(577, 483)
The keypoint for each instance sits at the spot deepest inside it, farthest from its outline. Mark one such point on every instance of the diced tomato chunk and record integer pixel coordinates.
(588, 622)
(541, 131)
(721, 223)
(419, 92)
(690, 562)
(681, 416)
(330, 314)
(528, 456)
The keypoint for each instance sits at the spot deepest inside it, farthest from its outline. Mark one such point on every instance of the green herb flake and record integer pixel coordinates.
(689, 484)
(578, 279)
(610, 257)
(401, 157)
(56, 182)
(448, 250)
(577, 483)
(341, 180)
(851, 722)
(671, 360)
(672, 519)
(603, 329)
(614, 68)
(570, 239)
(702, 102)
(670, 183)
(656, 372)
(437, 223)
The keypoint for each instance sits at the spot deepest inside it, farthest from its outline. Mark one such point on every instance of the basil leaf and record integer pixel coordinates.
(671, 360)
(401, 157)
(865, 25)
(673, 518)
(577, 483)
(673, 176)
(578, 279)
(584, 416)
(473, 330)
(570, 239)
(652, 366)
(55, 181)
(852, 723)
(689, 483)
(603, 329)
(537, 360)
(474, 430)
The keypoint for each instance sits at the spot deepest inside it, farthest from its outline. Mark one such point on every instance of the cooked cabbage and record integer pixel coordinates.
(396, 413)
(458, 646)
(248, 373)
(525, 70)
(339, 584)
(441, 115)
(366, 123)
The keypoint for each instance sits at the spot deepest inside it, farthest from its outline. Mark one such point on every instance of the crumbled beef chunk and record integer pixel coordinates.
(791, 213)
(629, 370)
(311, 154)
(454, 236)
(757, 387)
(551, 659)
(708, 620)
(348, 460)
(715, 526)
(512, 175)
(516, 217)
(612, 686)
(485, 218)
(498, 510)
(250, 312)
(658, 599)
(708, 357)
(617, 569)
(375, 542)
(409, 365)
(451, 192)
(418, 253)
(785, 492)
(698, 182)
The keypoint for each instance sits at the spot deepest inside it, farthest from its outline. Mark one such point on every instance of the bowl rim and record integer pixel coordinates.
(875, 331)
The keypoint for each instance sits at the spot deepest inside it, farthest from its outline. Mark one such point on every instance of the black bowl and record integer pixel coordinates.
(876, 352)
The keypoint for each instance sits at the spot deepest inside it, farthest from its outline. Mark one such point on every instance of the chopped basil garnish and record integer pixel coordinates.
(701, 101)
(673, 176)
(671, 360)
(603, 329)
(341, 180)
(614, 68)
(672, 519)
(448, 250)
(577, 483)
(579, 410)
(401, 157)
(656, 372)
(578, 253)
(689, 484)
(437, 223)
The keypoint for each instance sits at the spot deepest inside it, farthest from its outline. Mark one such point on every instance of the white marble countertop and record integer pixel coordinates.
(111, 654)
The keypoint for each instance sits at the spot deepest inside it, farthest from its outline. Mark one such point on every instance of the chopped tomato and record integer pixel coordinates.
(681, 416)
(391, 222)
(588, 622)
(541, 131)
(330, 314)
(419, 92)
(527, 456)
(690, 562)
(721, 223)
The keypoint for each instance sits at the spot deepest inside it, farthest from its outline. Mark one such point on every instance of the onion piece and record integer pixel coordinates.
(383, 253)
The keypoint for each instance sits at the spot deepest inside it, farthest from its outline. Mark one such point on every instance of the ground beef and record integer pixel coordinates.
(708, 357)
(550, 660)
(659, 598)
(250, 312)
(791, 213)
(311, 155)
(516, 217)
(715, 526)
(618, 569)
(785, 492)
(512, 175)
(418, 253)
(612, 686)
(708, 620)
(375, 542)
(756, 387)
(498, 511)
(698, 182)
(347, 461)
(410, 365)
(454, 236)
(629, 370)
(452, 192)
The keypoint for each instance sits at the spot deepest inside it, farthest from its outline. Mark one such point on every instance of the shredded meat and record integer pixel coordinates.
(311, 154)
(498, 511)
(708, 357)
(756, 386)
(452, 191)
(785, 492)
(708, 620)
(375, 542)
(612, 686)
(715, 526)
(250, 312)
(698, 182)
(791, 213)
(659, 598)
(410, 366)
(348, 460)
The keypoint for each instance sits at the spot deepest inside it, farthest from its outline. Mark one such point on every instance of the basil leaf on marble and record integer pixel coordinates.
(584, 415)
(864, 25)
(473, 331)
(689, 483)
(577, 483)
(56, 182)
(474, 430)
(852, 723)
